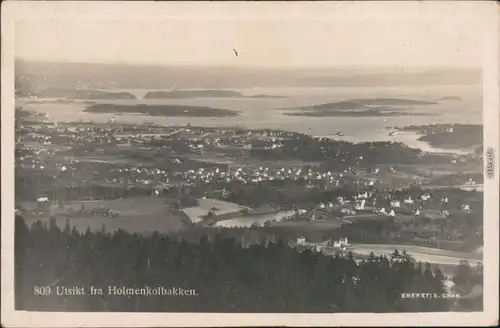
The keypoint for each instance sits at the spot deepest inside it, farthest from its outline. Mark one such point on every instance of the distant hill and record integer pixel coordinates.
(192, 94)
(183, 94)
(94, 76)
(81, 94)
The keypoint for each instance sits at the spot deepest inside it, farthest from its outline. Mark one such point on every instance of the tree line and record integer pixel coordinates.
(227, 277)
(337, 153)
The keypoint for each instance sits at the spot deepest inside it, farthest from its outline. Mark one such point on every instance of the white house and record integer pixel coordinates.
(42, 199)
(466, 207)
(392, 213)
(444, 200)
(470, 182)
(301, 241)
(363, 195)
(341, 243)
(425, 196)
(417, 212)
(360, 205)
(395, 203)
(408, 200)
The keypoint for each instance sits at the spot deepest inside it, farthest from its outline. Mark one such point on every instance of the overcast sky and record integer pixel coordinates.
(312, 41)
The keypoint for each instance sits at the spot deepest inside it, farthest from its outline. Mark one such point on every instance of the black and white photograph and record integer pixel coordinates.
(250, 159)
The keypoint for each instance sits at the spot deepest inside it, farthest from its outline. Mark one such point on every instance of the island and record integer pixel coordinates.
(360, 104)
(161, 110)
(356, 113)
(265, 96)
(449, 136)
(186, 94)
(192, 94)
(81, 94)
(391, 101)
(451, 98)
(360, 108)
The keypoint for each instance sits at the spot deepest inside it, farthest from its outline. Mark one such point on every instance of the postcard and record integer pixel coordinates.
(239, 164)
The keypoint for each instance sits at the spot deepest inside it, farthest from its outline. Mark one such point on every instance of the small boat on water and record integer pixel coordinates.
(393, 133)
(340, 133)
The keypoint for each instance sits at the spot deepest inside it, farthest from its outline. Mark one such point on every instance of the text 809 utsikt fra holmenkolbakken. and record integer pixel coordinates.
(114, 291)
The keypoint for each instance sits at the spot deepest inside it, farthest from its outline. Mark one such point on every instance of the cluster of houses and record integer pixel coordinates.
(366, 202)
(160, 178)
(197, 139)
(256, 175)
(103, 211)
(340, 245)
(43, 203)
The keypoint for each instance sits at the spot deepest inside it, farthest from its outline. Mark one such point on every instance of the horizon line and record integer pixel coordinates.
(266, 67)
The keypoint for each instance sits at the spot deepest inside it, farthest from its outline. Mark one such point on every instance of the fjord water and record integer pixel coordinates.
(259, 113)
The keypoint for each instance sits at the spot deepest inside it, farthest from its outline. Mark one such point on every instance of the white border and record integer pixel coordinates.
(484, 13)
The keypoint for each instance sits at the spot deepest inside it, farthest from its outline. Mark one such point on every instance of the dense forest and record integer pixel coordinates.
(227, 277)
(337, 154)
(449, 135)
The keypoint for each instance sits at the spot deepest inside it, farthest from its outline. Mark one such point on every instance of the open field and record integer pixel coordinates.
(221, 160)
(316, 225)
(421, 254)
(136, 215)
(205, 205)
(476, 187)
(386, 179)
(249, 220)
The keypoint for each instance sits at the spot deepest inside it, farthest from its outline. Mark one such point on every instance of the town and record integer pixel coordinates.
(104, 174)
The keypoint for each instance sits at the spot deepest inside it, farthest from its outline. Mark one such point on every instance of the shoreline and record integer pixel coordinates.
(411, 138)
(414, 143)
